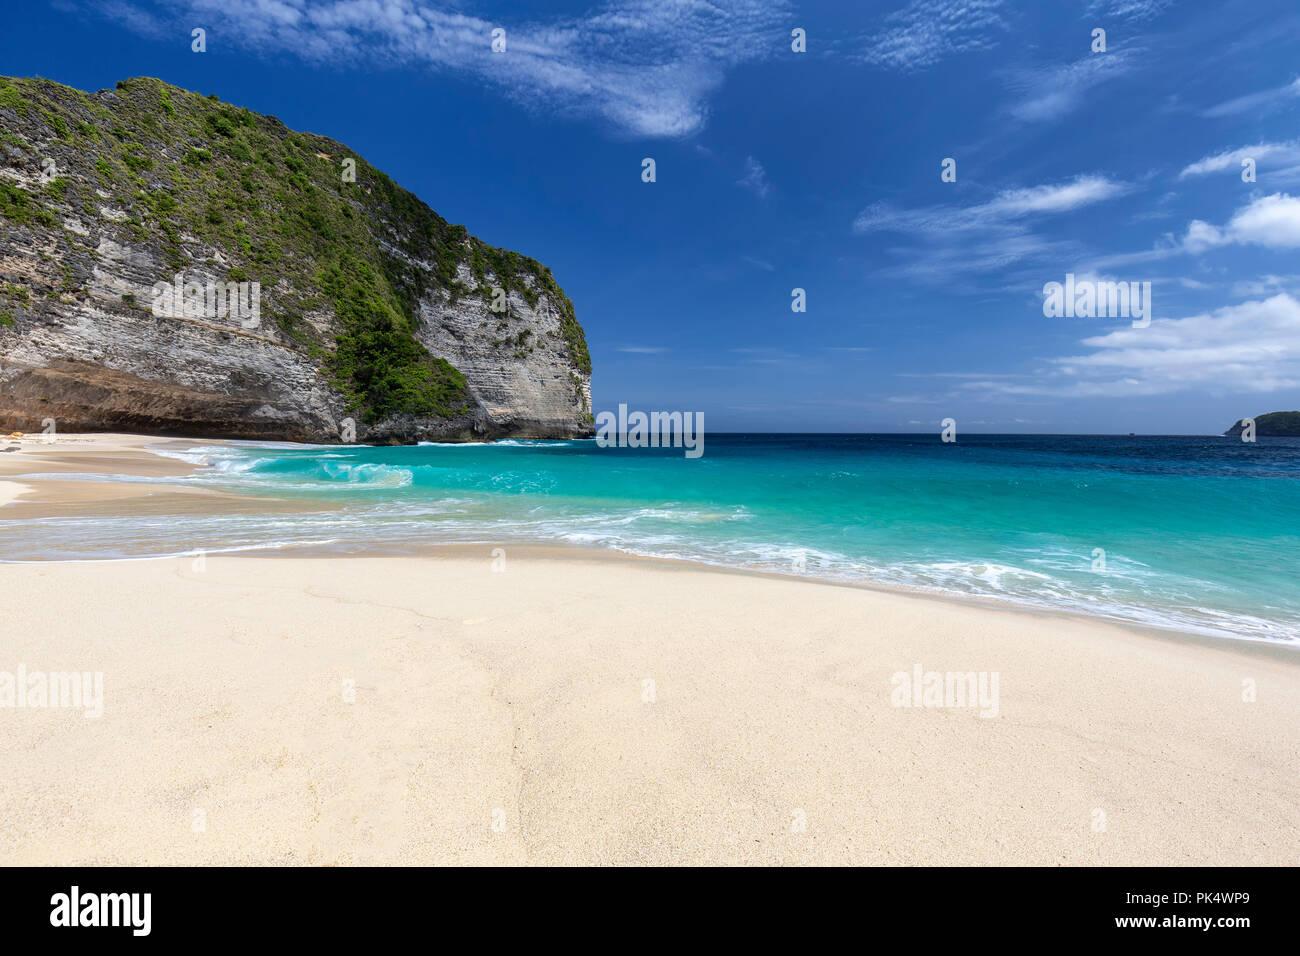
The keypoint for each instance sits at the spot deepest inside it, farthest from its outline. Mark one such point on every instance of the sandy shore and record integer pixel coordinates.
(99, 454)
(566, 708)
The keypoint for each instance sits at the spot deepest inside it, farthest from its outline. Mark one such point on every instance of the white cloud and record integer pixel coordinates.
(925, 31)
(1001, 211)
(1201, 236)
(934, 263)
(1082, 191)
(1256, 102)
(1266, 285)
(1270, 221)
(141, 21)
(1278, 153)
(1129, 9)
(1047, 94)
(987, 236)
(646, 66)
(1250, 347)
(755, 178)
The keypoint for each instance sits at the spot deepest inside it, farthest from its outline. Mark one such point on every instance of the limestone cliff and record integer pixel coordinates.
(173, 264)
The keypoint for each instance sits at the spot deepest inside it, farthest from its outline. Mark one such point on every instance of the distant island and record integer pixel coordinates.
(1271, 425)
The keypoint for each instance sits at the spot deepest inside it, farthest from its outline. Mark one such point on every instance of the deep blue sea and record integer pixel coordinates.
(1194, 533)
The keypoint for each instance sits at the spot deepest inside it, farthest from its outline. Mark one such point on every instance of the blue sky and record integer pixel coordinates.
(820, 170)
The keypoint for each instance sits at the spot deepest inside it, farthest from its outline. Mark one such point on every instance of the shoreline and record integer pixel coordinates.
(132, 455)
(563, 551)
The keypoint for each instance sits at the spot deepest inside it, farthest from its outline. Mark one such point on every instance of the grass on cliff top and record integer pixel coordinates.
(275, 204)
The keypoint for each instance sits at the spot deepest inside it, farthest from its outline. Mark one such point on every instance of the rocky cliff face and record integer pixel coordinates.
(173, 264)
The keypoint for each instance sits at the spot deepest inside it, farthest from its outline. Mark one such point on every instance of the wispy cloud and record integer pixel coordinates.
(926, 31)
(1082, 191)
(755, 178)
(1001, 225)
(641, 349)
(133, 17)
(1266, 285)
(1278, 153)
(1002, 210)
(1134, 10)
(1048, 93)
(1250, 347)
(1256, 102)
(947, 263)
(645, 66)
(768, 356)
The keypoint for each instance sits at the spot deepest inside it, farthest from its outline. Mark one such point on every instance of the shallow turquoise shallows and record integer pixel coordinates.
(1198, 534)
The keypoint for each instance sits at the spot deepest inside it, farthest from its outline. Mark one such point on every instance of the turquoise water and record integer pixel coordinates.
(1198, 533)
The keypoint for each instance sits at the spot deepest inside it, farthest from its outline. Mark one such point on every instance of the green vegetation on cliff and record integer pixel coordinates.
(273, 205)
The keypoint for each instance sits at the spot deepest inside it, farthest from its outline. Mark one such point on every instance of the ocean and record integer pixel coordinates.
(1196, 534)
